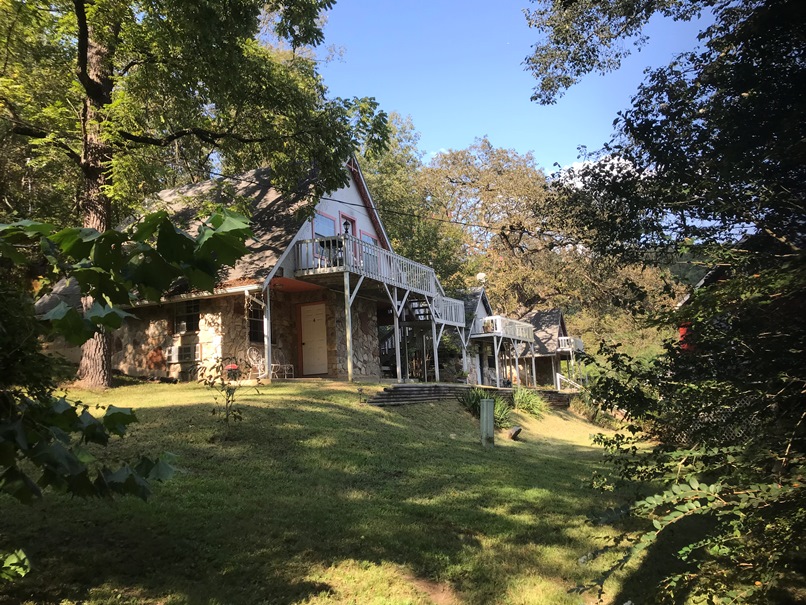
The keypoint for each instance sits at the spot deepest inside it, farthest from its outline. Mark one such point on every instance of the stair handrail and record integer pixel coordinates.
(559, 379)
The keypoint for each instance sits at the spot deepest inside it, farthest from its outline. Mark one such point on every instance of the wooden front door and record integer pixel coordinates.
(314, 339)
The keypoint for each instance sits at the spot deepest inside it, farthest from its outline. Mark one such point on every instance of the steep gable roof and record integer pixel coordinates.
(548, 327)
(276, 218)
(471, 298)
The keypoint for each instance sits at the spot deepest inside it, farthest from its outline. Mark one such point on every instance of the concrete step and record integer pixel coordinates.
(404, 394)
(407, 394)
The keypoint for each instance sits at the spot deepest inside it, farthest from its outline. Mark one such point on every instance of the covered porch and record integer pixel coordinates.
(358, 279)
(508, 340)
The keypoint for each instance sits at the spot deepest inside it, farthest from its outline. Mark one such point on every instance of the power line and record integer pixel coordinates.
(385, 210)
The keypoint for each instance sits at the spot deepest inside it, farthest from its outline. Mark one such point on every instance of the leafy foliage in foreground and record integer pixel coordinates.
(45, 440)
(727, 407)
(708, 163)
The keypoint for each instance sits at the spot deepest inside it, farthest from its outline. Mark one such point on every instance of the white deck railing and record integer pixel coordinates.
(569, 343)
(498, 325)
(449, 311)
(348, 253)
(564, 383)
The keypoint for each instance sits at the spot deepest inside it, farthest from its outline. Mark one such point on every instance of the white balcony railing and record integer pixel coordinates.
(569, 343)
(498, 325)
(449, 311)
(348, 253)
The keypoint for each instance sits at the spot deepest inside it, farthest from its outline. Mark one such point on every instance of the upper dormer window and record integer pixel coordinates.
(323, 226)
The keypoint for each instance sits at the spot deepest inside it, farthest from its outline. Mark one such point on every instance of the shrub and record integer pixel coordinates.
(471, 401)
(223, 376)
(529, 401)
(594, 414)
(501, 413)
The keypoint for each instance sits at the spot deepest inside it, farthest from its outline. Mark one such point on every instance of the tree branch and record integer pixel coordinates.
(83, 36)
(34, 132)
(93, 89)
(208, 136)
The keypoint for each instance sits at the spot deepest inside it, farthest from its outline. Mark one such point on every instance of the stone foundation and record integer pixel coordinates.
(140, 347)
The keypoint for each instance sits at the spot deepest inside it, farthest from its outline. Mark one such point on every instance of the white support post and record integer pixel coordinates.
(435, 341)
(497, 349)
(348, 326)
(534, 368)
(267, 335)
(461, 332)
(398, 309)
(397, 348)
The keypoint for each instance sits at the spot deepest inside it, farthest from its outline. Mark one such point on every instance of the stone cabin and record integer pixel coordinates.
(552, 346)
(309, 295)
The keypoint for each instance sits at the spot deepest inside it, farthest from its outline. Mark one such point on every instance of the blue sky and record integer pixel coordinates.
(455, 67)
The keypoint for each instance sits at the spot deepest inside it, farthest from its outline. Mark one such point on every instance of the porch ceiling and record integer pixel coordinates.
(335, 281)
(286, 284)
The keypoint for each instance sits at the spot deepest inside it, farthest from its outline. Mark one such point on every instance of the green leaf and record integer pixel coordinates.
(117, 419)
(148, 225)
(174, 244)
(14, 565)
(107, 251)
(159, 470)
(68, 322)
(76, 242)
(18, 484)
(152, 273)
(109, 317)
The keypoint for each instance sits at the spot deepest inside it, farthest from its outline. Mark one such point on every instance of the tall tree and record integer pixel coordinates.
(523, 236)
(418, 226)
(711, 159)
(133, 93)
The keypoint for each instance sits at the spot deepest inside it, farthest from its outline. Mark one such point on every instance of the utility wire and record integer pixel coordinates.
(385, 210)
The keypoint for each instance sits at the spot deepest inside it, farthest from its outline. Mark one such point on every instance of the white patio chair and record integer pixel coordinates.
(280, 368)
(254, 357)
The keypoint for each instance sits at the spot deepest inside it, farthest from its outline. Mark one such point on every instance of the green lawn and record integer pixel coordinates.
(317, 498)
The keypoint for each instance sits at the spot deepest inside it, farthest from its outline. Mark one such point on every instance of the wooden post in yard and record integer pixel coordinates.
(487, 422)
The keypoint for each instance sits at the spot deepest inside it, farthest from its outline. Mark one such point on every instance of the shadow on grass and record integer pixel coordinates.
(295, 488)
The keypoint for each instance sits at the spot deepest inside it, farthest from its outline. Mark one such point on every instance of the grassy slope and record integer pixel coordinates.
(316, 498)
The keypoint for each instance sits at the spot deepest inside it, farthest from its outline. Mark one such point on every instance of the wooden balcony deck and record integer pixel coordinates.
(503, 327)
(569, 343)
(346, 253)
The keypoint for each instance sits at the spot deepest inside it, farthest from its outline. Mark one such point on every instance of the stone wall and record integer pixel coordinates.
(150, 328)
(366, 348)
(224, 332)
(140, 346)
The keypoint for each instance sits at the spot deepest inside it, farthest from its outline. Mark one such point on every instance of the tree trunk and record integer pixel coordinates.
(95, 74)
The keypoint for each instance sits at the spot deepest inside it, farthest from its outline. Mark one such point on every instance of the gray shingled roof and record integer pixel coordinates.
(275, 221)
(471, 299)
(276, 218)
(548, 326)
